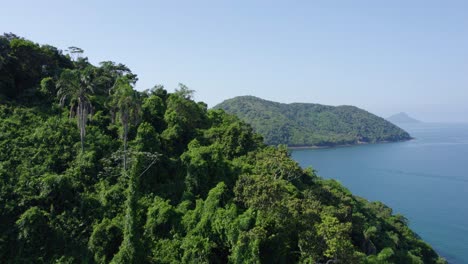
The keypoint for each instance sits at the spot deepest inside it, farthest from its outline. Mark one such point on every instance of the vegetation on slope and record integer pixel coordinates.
(301, 124)
(120, 176)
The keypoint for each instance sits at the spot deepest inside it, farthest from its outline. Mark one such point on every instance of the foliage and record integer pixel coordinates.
(200, 186)
(301, 124)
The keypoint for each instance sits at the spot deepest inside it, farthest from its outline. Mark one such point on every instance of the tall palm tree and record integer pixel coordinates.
(76, 87)
(125, 107)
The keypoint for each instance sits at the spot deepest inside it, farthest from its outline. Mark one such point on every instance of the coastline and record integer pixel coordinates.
(345, 145)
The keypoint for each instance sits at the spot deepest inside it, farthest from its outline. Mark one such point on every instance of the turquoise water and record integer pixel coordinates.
(425, 179)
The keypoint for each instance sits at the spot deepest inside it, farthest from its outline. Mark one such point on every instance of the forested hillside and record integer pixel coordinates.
(301, 124)
(92, 171)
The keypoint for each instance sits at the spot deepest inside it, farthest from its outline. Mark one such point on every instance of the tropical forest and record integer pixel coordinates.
(94, 171)
(312, 125)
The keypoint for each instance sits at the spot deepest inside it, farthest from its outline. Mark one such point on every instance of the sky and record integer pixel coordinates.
(383, 56)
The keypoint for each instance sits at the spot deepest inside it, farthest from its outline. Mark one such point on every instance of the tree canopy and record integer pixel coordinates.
(301, 124)
(199, 185)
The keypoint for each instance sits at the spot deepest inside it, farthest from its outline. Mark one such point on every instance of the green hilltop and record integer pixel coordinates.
(304, 124)
(93, 171)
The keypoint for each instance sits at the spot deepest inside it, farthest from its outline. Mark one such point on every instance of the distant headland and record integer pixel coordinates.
(312, 125)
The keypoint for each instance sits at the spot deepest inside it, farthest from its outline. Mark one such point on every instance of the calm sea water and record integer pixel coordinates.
(425, 179)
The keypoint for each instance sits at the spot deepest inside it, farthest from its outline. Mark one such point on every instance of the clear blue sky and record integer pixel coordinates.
(383, 56)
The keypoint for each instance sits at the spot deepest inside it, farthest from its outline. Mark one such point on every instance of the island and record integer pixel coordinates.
(402, 118)
(312, 125)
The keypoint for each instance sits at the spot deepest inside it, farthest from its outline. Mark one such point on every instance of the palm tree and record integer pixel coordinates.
(76, 86)
(125, 107)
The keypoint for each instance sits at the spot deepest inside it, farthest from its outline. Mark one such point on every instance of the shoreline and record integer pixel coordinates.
(345, 145)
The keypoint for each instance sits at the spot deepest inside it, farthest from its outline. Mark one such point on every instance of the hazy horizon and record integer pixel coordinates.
(383, 114)
(383, 57)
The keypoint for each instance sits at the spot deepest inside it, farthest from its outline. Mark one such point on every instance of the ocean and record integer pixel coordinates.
(425, 179)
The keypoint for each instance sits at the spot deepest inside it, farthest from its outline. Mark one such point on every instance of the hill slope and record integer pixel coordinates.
(178, 184)
(302, 124)
(402, 118)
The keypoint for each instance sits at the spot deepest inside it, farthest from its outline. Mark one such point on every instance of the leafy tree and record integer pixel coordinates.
(34, 233)
(153, 109)
(75, 52)
(23, 64)
(183, 117)
(105, 240)
(108, 73)
(335, 237)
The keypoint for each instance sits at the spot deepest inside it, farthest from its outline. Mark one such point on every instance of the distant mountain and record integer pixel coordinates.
(402, 118)
(303, 124)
